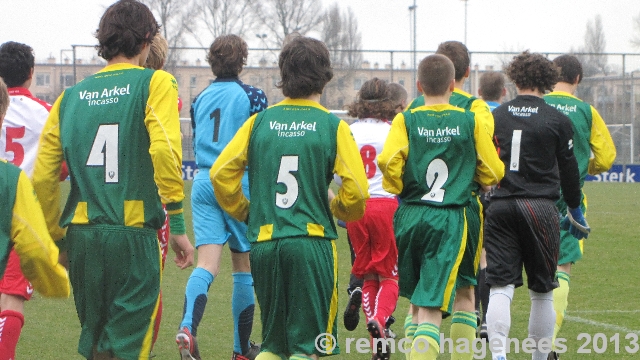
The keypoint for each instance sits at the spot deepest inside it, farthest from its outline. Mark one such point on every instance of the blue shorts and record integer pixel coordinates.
(211, 224)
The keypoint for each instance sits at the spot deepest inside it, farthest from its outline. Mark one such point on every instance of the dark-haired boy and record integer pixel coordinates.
(464, 320)
(431, 158)
(492, 89)
(292, 150)
(123, 168)
(522, 227)
(595, 152)
(216, 115)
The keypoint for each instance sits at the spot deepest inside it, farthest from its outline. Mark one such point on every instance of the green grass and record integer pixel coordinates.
(604, 295)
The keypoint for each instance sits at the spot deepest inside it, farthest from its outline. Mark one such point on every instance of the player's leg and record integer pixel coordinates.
(426, 341)
(483, 291)
(504, 270)
(311, 270)
(540, 254)
(464, 321)
(351, 316)
(15, 289)
(163, 240)
(242, 298)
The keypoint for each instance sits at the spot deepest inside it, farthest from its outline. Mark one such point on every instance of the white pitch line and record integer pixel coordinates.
(604, 311)
(602, 325)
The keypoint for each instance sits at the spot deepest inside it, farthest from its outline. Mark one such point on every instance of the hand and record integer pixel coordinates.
(181, 245)
(576, 224)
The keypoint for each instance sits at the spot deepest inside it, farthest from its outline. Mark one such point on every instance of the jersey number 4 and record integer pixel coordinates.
(104, 151)
(288, 164)
(437, 175)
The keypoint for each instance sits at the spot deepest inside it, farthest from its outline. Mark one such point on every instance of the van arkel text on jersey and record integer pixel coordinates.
(439, 135)
(104, 97)
(566, 109)
(522, 111)
(293, 129)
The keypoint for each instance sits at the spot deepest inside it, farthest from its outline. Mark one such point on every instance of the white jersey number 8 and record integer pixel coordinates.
(437, 175)
(104, 152)
(288, 164)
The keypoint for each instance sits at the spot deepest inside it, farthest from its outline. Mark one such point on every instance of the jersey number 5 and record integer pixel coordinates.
(437, 175)
(104, 151)
(16, 148)
(288, 164)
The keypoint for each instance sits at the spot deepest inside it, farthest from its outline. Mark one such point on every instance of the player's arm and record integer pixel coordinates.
(47, 170)
(489, 167)
(37, 251)
(349, 203)
(227, 171)
(602, 146)
(567, 164)
(394, 155)
(483, 113)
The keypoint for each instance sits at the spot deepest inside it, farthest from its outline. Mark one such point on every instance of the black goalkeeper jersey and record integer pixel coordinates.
(535, 143)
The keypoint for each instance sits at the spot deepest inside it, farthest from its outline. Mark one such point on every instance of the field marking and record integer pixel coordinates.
(602, 325)
(604, 311)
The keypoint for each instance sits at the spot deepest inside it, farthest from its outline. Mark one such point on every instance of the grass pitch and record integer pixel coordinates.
(604, 298)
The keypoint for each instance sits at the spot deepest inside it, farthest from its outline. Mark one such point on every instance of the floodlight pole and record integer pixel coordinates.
(465, 22)
(415, 62)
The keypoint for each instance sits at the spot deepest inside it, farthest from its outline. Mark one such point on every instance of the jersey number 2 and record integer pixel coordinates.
(288, 164)
(437, 175)
(104, 151)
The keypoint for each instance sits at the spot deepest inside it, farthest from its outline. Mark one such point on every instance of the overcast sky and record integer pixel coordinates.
(493, 25)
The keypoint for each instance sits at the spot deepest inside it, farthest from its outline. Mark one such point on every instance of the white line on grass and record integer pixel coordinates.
(602, 325)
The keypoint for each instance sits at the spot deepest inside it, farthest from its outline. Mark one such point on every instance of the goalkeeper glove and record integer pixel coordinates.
(576, 224)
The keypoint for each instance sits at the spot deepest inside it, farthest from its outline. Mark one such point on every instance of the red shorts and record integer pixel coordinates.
(163, 236)
(373, 240)
(13, 282)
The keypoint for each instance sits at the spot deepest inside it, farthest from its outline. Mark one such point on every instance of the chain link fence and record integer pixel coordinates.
(613, 88)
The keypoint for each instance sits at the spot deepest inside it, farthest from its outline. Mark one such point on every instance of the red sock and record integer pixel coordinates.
(369, 291)
(156, 326)
(387, 299)
(10, 326)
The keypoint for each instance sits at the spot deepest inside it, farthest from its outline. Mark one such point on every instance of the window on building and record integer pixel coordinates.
(193, 81)
(401, 82)
(43, 79)
(357, 84)
(66, 80)
(341, 83)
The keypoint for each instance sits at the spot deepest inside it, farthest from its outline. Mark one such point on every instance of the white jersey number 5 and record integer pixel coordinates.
(437, 175)
(104, 151)
(288, 164)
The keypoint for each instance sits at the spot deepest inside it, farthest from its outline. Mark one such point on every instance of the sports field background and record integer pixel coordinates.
(604, 297)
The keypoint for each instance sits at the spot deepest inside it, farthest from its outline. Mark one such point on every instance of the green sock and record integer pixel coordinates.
(268, 356)
(463, 326)
(409, 331)
(560, 301)
(426, 342)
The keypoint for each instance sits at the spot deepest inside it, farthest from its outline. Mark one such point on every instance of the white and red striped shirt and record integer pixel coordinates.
(22, 127)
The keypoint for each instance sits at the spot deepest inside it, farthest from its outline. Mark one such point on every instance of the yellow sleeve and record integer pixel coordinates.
(394, 155)
(602, 146)
(37, 251)
(163, 124)
(489, 167)
(349, 203)
(46, 171)
(483, 113)
(227, 171)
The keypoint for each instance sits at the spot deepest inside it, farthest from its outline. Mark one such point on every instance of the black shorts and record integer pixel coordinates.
(522, 231)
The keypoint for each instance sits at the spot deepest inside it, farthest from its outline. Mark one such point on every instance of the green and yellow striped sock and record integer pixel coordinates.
(426, 342)
(409, 331)
(463, 326)
(560, 301)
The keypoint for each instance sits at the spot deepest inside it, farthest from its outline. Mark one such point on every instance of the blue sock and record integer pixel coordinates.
(242, 307)
(195, 299)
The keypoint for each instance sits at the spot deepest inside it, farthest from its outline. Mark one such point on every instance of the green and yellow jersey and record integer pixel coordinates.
(592, 144)
(119, 133)
(434, 153)
(292, 150)
(26, 231)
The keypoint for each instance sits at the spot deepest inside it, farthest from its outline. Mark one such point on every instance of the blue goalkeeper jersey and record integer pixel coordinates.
(216, 115)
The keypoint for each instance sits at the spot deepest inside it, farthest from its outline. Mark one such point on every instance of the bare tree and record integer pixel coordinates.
(221, 17)
(175, 17)
(594, 61)
(283, 17)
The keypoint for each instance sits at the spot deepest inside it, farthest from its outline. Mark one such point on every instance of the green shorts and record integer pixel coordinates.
(431, 242)
(115, 275)
(296, 283)
(468, 272)
(571, 249)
